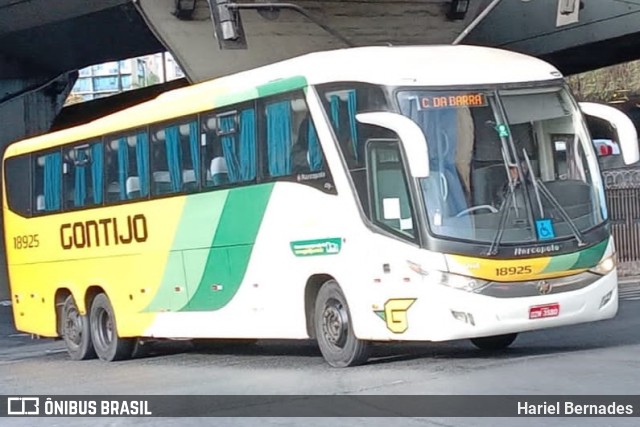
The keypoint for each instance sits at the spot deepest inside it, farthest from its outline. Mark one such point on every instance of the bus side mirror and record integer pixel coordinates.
(627, 135)
(411, 137)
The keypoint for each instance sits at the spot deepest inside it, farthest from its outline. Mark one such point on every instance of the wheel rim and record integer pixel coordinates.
(335, 323)
(73, 327)
(103, 329)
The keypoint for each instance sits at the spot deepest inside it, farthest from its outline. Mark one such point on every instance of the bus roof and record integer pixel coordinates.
(439, 65)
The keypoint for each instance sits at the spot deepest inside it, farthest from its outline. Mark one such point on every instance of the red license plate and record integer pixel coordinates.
(542, 311)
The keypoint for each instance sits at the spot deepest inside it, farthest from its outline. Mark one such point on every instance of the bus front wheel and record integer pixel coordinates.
(497, 342)
(75, 331)
(334, 330)
(104, 333)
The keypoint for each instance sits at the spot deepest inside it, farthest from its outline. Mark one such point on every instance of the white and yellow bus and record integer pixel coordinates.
(368, 194)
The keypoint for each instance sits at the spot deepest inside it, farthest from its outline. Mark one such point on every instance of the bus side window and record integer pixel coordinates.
(18, 178)
(47, 182)
(307, 151)
(342, 102)
(213, 165)
(292, 145)
(127, 166)
(342, 115)
(229, 147)
(82, 175)
(390, 200)
(175, 157)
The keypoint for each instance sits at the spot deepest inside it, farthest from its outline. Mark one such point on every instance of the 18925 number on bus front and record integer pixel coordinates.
(26, 241)
(514, 271)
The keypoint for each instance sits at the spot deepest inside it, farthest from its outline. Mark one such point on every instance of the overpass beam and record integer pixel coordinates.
(601, 33)
(213, 38)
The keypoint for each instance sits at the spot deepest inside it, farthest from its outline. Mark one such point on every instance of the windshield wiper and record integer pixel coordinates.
(572, 225)
(539, 185)
(508, 147)
(506, 205)
(533, 182)
(512, 181)
(504, 208)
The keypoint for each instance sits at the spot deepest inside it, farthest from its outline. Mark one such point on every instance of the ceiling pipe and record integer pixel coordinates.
(476, 21)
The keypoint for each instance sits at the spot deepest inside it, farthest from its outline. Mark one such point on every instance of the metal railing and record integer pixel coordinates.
(622, 190)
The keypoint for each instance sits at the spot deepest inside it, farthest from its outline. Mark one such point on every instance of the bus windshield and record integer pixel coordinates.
(509, 166)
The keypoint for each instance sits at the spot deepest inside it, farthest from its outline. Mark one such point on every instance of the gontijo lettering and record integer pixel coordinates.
(104, 232)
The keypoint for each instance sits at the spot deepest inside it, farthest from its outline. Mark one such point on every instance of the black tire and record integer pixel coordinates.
(104, 333)
(497, 342)
(75, 331)
(334, 330)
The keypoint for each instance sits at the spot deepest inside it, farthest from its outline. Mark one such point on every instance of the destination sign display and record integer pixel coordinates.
(455, 100)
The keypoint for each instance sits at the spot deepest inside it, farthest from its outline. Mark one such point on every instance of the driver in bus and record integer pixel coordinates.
(512, 179)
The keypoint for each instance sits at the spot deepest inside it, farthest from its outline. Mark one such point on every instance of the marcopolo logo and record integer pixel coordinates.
(536, 250)
(23, 406)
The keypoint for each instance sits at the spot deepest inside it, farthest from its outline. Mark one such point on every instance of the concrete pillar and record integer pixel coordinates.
(30, 99)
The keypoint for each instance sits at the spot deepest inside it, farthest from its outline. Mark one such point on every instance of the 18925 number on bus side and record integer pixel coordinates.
(26, 241)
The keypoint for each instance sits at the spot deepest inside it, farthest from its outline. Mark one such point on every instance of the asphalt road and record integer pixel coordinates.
(598, 358)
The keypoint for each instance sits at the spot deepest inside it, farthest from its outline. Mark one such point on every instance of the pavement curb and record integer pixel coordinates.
(35, 349)
(629, 281)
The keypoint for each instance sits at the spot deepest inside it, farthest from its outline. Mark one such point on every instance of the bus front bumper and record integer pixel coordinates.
(439, 313)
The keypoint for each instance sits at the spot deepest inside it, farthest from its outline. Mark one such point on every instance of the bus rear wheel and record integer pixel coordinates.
(104, 333)
(75, 331)
(334, 330)
(497, 342)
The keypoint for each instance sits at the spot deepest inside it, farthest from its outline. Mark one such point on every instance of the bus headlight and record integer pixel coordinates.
(464, 283)
(605, 266)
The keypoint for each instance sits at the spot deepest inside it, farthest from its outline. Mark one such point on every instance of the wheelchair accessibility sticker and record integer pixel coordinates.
(545, 230)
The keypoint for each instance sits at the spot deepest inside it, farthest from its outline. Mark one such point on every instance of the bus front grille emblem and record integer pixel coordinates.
(544, 287)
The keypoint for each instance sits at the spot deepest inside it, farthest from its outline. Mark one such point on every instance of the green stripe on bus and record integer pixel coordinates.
(586, 258)
(229, 256)
(225, 99)
(280, 86)
(273, 88)
(199, 220)
(592, 256)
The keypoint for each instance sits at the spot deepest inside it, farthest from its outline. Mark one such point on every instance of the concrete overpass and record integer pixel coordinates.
(44, 42)
(605, 32)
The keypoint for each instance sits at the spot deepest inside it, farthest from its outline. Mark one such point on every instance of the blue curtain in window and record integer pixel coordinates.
(440, 128)
(174, 160)
(80, 188)
(247, 160)
(279, 138)
(142, 161)
(123, 167)
(352, 108)
(227, 124)
(97, 166)
(335, 113)
(315, 153)
(52, 181)
(195, 153)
